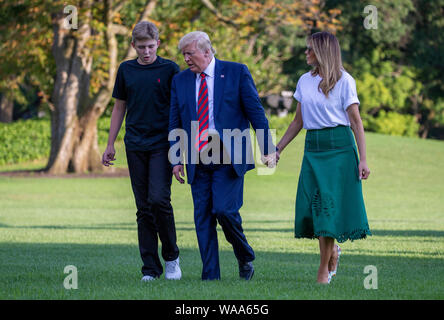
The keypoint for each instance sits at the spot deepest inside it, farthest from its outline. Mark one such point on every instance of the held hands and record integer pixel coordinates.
(108, 156)
(271, 160)
(179, 173)
(364, 171)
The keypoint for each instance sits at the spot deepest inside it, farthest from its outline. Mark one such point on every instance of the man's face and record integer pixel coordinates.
(196, 59)
(146, 50)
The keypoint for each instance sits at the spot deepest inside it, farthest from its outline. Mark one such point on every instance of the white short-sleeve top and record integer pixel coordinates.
(318, 111)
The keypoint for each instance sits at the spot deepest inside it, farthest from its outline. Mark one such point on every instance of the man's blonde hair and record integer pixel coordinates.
(328, 54)
(145, 30)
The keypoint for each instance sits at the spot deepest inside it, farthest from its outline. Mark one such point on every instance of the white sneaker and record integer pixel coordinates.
(172, 270)
(147, 278)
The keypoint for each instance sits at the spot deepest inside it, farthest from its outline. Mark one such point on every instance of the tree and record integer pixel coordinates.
(24, 51)
(6, 108)
(261, 34)
(78, 44)
(78, 99)
(426, 54)
(397, 66)
(84, 53)
(75, 110)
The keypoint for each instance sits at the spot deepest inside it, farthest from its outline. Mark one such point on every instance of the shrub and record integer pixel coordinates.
(103, 130)
(24, 140)
(391, 123)
(394, 124)
(27, 140)
(280, 123)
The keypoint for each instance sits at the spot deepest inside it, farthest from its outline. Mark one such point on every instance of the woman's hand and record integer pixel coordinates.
(364, 171)
(271, 160)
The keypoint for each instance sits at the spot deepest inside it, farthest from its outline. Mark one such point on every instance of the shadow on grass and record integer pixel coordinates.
(182, 226)
(36, 271)
(43, 173)
(408, 233)
(105, 226)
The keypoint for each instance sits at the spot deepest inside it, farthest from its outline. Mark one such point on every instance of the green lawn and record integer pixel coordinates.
(49, 223)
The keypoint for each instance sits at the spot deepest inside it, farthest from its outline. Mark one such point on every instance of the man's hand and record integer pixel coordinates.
(271, 160)
(179, 173)
(108, 156)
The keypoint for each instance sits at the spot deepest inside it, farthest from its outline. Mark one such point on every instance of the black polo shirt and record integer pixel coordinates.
(146, 90)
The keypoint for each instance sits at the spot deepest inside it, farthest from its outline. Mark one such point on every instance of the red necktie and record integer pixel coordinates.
(202, 114)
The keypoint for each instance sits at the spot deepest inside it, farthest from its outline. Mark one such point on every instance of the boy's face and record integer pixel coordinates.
(146, 50)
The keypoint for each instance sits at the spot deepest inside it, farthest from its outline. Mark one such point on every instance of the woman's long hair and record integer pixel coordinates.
(328, 54)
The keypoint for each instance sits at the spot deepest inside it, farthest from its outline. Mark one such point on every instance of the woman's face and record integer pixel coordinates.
(310, 55)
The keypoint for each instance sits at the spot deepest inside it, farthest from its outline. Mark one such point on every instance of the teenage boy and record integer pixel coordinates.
(142, 92)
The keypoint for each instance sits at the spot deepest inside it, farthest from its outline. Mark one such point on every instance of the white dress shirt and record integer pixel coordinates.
(209, 72)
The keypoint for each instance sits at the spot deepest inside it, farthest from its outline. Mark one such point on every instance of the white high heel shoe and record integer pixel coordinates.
(333, 273)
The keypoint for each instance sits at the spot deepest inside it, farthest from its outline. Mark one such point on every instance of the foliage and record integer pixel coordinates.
(394, 124)
(24, 140)
(27, 140)
(25, 49)
(260, 34)
(103, 130)
(398, 67)
(280, 124)
(426, 54)
(383, 84)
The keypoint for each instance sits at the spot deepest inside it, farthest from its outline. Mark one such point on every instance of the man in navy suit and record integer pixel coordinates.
(213, 103)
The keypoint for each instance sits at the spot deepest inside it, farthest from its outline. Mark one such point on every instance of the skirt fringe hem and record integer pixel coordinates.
(354, 235)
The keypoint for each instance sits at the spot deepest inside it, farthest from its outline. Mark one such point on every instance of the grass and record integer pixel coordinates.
(49, 223)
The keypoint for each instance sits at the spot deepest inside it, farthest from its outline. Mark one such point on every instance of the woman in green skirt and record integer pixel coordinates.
(329, 201)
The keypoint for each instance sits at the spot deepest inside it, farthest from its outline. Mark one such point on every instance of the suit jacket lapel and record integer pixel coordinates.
(191, 93)
(219, 83)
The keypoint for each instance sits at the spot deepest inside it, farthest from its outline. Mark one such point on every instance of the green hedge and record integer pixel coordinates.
(24, 140)
(391, 123)
(103, 130)
(27, 140)
(280, 124)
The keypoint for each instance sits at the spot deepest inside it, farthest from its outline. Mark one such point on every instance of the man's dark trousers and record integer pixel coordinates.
(151, 177)
(217, 195)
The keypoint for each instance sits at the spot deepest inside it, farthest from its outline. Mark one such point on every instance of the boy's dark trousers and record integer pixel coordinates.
(151, 177)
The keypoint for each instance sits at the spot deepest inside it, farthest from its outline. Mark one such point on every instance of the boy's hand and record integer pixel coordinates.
(108, 156)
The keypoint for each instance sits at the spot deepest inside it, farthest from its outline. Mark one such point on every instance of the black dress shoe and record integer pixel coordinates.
(246, 270)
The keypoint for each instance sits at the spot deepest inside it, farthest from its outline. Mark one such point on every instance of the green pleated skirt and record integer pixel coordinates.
(329, 201)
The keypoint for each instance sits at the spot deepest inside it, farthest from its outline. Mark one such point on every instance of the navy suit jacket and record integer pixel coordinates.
(236, 105)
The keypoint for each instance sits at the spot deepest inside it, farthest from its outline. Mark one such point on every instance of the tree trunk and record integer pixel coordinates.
(86, 155)
(73, 63)
(6, 109)
(74, 143)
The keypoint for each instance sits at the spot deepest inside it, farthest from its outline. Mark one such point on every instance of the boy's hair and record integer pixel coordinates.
(145, 30)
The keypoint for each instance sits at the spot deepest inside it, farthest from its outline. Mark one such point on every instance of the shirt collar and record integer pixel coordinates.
(209, 71)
